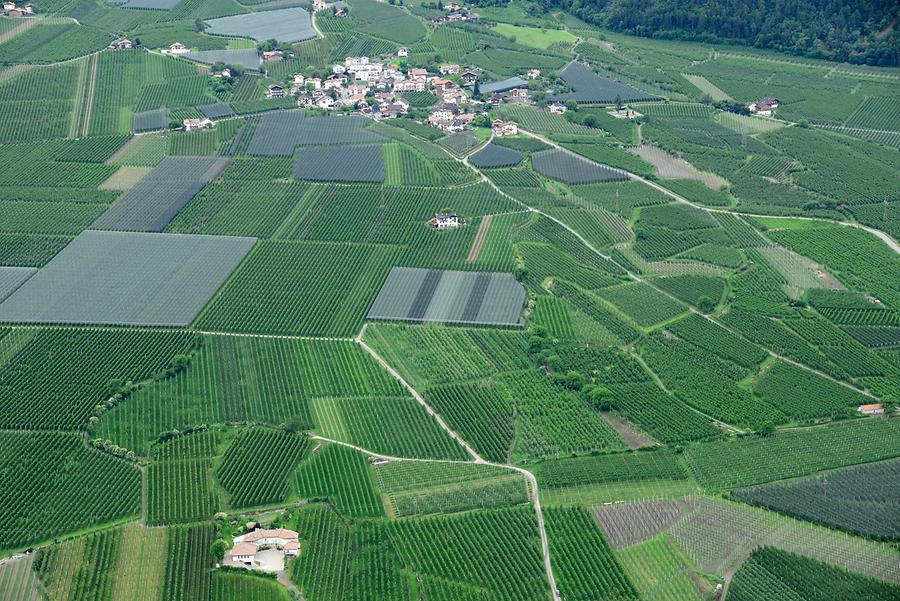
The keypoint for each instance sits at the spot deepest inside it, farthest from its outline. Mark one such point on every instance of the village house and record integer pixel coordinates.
(415, 84)
(197, 124)
(504, 128)
(443, 221)
(11, 10)
(452, 7)
(495, 99)
(518, 96)
(533, 73)
(442, 85)
(455, 97)
(122, 44)
(470, 77)
(390, 110)
(273, 55)
(338, 68)
(764, 107)
(557, 108)
(319, 5)
(274, 91)
(176, 48)
(224, 73)
(451, 69)
(873, 409)
(324, 101)
(402, 52)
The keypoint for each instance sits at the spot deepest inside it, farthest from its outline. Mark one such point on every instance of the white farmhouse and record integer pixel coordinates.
(197, 124)
(443, 221)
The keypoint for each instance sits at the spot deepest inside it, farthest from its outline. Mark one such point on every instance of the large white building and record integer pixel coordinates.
(247, 545)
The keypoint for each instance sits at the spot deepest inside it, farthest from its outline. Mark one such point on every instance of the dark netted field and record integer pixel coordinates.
(573, 169)
(340, 163)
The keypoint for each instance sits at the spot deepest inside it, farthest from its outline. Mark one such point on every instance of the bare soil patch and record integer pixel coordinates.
(480, 236)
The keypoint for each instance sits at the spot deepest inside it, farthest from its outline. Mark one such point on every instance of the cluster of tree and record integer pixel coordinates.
(855, 31)
(541, 347)
(108, 446)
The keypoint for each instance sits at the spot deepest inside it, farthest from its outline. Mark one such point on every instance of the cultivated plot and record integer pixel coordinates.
(672, 167)
(151, 120)
(152, 202)
(412, 294)
(286, 25)
(148, 4)
(279, 132)
(127, 279)
(496, 156)
(587, 86)
(246, 57)
(13, 277)
(573, 169)
(340, 163)
(216, 110)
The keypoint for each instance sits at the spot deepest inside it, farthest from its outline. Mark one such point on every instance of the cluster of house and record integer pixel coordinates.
(359, 78)
(340, 9)
(764, 107)
(514, 96)
(11, 10)
(456, 14)
(247, 545)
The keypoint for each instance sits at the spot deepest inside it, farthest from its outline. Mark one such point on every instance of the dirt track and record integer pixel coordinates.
(479, 238)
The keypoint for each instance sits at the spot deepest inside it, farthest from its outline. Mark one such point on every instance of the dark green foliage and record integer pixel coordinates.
(755, 460)
(55, 474)
(772, 573)
(498, 550)
(701, 291)
(35, 393)
(706, 382)
(256, 468)
(188, 562)
(346, 561)
(481, 414)
(712, 337)
(802, 394)
(608, 469)
(584, 564)
(341, 475)
(861, 499)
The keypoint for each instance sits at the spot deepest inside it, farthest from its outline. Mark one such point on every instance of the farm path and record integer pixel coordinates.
(545, 543)
(88, 108)
(440, 420)
(636, 277)
(144, 499)
(532, 483)
(674, 298)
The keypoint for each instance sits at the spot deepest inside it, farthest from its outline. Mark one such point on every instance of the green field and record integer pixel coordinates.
(673, 403)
